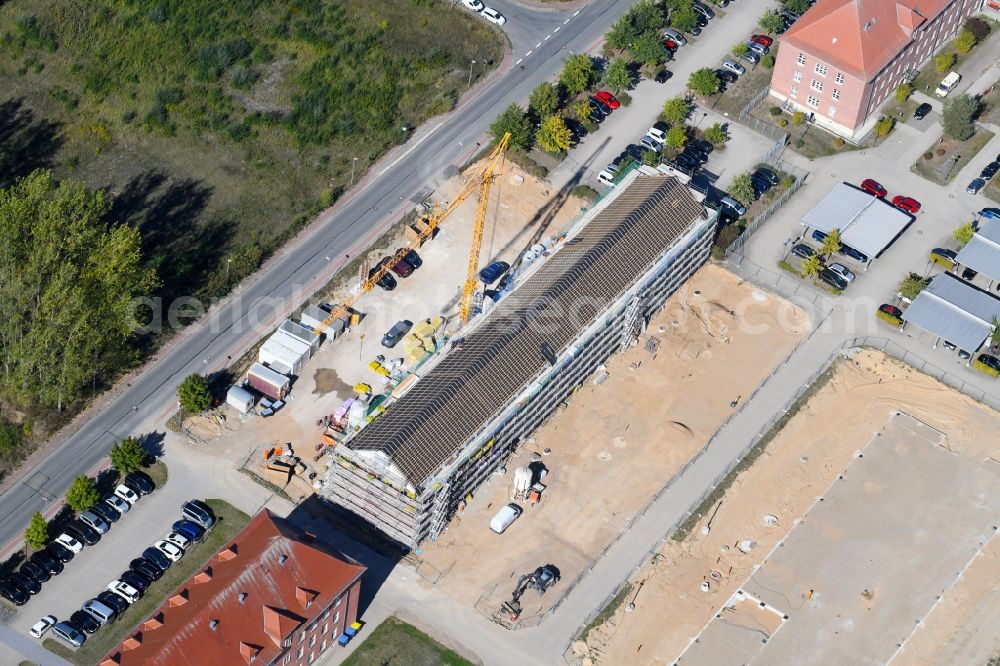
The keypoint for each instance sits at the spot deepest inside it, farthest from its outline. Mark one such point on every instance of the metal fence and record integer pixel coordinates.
(800, 177)
(882, 344)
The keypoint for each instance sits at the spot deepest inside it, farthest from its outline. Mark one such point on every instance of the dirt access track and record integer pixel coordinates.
(872, 515)
(617, 443)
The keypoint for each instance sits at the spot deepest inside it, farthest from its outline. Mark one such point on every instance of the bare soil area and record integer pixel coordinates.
(797, 467)
(616, 444)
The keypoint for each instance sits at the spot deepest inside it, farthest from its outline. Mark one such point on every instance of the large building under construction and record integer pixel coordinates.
(408, 470)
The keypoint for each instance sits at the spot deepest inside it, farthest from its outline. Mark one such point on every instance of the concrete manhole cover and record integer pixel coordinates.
(620, 442)
(604, 456)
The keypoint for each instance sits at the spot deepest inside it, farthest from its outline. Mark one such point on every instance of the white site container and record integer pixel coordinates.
(300, 332)
(239, 399)
(274, 353)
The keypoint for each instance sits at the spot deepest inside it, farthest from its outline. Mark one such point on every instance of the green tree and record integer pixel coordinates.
(675, 110)
(965, 41)
(883, 126)
(912, 285)
(979, 28)
(83, 494)
(944, 61)
(618, 75)
(742, 189)
(716, 135)
(544, 100)
(798, 118)
(772, 22)
(797, 6)
(812, 266)
(995, 335)
(648, 49)
(69, 277)
(903, 92)
(684, 18)
(676, 137)
(964, 233)
(958, 116)
(642, 17)
(553, 136)
(37, 534)
(704, 81)
(582, 110)
(831, 244)
(127, 455)
(740, 49)
(578, 73)
(513, 120)
(767, 61)
(194, 394)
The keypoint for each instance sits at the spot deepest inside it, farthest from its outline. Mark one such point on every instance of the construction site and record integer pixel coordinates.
(869, 535)
(615, 443)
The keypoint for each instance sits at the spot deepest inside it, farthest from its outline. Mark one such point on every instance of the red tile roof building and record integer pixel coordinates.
(271, 596)
(844, 58)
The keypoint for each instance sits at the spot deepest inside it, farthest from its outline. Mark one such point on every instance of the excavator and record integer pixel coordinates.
(540, 579)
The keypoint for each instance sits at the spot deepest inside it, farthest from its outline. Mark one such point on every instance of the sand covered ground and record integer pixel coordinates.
(799, 465)
(616, 444)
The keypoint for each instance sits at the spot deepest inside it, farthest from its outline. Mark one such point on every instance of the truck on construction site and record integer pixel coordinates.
(268, 382)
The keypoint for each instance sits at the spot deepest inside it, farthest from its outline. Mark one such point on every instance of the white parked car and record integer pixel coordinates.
(69, 542)
(125, 591)
(117, 503)
(493, 16)
(39, 628)
(734, 67)
(651, 143)
(474, 5)
(842, 271)
(172, 552)
(658, 132)
(178, 540)
(606, 177)
(126, 493)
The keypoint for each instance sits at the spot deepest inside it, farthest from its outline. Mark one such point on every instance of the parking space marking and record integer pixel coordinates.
(556, 30)
(539, 44)
(577, 12)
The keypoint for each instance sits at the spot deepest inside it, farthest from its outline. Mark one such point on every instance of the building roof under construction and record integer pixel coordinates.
(427, 427)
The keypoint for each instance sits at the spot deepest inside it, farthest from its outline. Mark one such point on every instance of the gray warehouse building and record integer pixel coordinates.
(407, 472)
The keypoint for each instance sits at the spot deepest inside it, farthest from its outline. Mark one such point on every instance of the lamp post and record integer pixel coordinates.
(353, 162)
(471, 64)
(229, 262)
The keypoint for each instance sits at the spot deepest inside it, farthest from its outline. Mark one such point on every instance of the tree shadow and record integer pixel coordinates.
(179, 239)
(26, 142)
(152, 444)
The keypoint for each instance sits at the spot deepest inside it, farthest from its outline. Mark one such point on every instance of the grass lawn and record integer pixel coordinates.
(158, 473)
(738, 94)
(966, 149)
(396, 643)
(230, 521)
(815, 142)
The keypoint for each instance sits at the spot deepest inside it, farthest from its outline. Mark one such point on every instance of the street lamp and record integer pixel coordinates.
(703, 116)
(470, 73)
(229, 262)
(355, 161)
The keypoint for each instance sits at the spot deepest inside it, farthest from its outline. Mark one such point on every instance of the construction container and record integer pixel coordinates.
(270, 383)
(314, 316)
(300, 332)
(293, 343)
(277, 355)
(239, 399)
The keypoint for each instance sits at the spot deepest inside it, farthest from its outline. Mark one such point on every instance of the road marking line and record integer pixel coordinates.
(577, 12)
(566, 21)
(539, 44)
(555, 31)
(411, 148)
(528, 53)
(519, 61)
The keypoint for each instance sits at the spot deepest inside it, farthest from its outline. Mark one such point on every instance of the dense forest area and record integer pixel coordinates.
(193, 138)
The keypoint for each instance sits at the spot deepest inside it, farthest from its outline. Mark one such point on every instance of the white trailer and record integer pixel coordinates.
(300, 332)
(239, 399)
(272, 384)
(275, 354)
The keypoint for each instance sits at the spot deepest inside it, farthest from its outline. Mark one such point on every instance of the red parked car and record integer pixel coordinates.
(763, 40)
(906, 203)
(608, 98)
(671, 45)
(874, 187)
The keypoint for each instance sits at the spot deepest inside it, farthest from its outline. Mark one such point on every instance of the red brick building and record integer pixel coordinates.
(272, 596)
(844, 58)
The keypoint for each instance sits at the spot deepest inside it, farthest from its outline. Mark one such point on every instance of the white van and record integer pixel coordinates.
(504, 518)
(948, 84)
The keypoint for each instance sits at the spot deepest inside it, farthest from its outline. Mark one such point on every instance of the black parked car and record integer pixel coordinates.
(106, 511)
(858, 256)
(768, 175)
(413, 259)
(26, 583)
(139, 483)
(833, 279)
(990, 361)
(921, 111)
(702, 145)
(59, 551)
(726, 75)
(146, 568)
(13, 594)
(136, 580)
(112, 600)
(46, 560)
(84, 620)
(387, 282)
(35, 572)
(760, 186)
(605, 109)
(83, 532)
(802, 250)
(664, 76)
(687, 162)
(989, 170)
(156, 558)
(695, 154)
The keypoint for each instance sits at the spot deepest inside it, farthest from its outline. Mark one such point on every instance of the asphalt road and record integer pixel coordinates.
(313, 258)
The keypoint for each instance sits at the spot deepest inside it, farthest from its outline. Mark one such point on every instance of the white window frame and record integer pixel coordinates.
(839, 78)
(301, 652)
(820, 69)
(793, 91)
(813, 101)
(302, 636)
(802, 58)
(797, 76)
(816, 85)
(835, 94)
(288, 658)
(325, 627)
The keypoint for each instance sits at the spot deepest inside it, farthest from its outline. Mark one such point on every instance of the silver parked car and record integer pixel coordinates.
(736, 68)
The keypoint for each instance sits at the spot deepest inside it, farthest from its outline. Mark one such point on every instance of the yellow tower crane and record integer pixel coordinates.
(483, 180)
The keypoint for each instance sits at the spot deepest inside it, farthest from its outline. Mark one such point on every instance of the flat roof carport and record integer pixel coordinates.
(954, 310)
(982, 252)
(865, 222)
